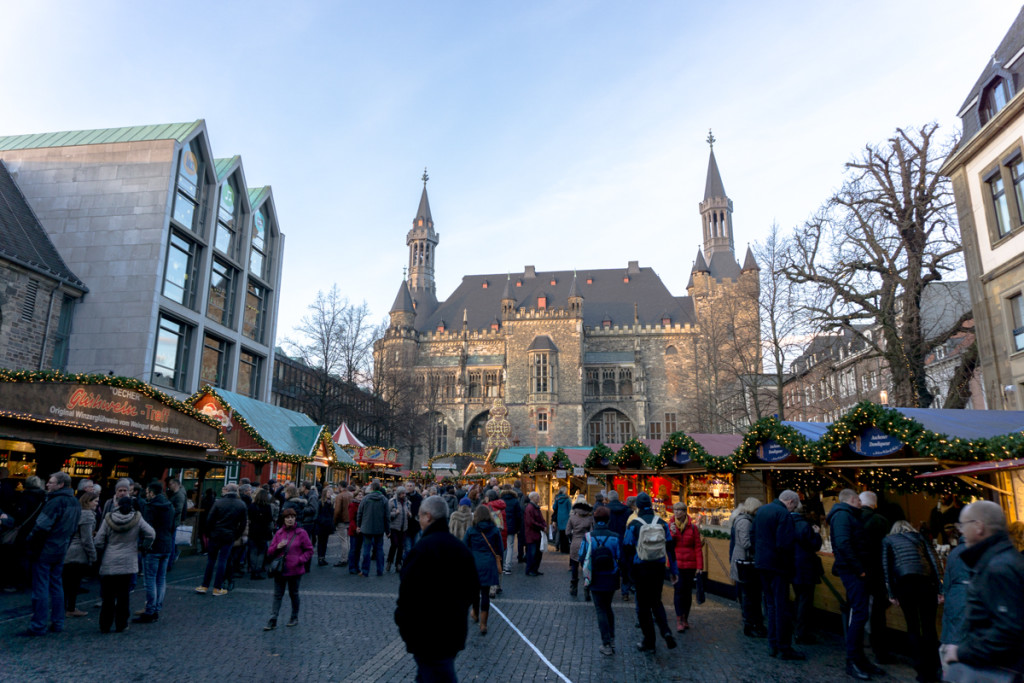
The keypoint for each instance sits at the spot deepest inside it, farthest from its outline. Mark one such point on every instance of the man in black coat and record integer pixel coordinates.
(159, 513)
(876, 528)
(774, 557)
(619, 513)
(513, 525)
(439, 583)
(225, 524)
(994, 627)
(849, 548)
(47, 544)
(179, 502)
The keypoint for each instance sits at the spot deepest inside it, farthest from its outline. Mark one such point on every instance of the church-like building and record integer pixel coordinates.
(578, 357)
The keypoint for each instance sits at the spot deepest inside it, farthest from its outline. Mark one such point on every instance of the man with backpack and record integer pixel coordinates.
(646, 545)
(600, 553)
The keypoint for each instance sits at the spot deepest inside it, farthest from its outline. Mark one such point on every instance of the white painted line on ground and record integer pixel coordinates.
(532, 646)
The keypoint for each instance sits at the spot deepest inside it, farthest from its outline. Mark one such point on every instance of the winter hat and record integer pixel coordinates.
(467, 502)
(579, 499)
(643, 500)
(124, 505)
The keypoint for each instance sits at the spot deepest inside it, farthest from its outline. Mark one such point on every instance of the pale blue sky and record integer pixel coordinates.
(557, 134)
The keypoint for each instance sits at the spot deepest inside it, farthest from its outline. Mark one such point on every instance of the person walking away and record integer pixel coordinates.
(398, 514)
(159, 514)
(581, 521)
(225, 524)
(741, 567)
(630, 516)
(439, 570)
(994, 626)
(293, 542)
(121, 533)
(876, 528)
(646, 545)
(462, 519)
(619, 513)
(806, 575)
(954, 593)
(342, 502)
(261, 529)
(600, 555)
(911, 578)
(415, 499)
(534, 526)
(355, 545)
(561, 508)
(513, 525)
(180, 504)
(206, 504)
(81, 554)
(372, 522)
(850, 552)
(47, 545)
(324, 527)
(774, 557)
(484, 540)
(689, 559)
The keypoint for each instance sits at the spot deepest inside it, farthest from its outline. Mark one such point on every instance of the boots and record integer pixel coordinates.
(483, 622)
(572, 587)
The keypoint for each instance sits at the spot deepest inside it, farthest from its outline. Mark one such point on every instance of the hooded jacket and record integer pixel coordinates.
(741, 542)
(159, 514)
(298, 553)
(581, 520)
(498, 506)
(399, 514)
(484, 541)
(848, 542)
(689, 549)
(83, 547)
(57, 521)
(560, 511)
(119, 535)
(513, 513)
(372, 518)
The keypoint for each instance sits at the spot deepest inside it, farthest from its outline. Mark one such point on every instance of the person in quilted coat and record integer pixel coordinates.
(119, 536)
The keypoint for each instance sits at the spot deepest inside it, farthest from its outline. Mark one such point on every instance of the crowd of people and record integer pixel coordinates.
(455, 545)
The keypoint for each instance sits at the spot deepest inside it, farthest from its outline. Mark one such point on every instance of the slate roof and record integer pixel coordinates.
(749, 262)
(424, 209)
(713, 186)
(403, 302)
(24, 241)
(1008, 48)
(607, 294)
(723, 265)
(100, 136)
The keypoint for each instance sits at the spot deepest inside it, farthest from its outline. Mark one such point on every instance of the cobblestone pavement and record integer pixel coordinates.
(346, 633)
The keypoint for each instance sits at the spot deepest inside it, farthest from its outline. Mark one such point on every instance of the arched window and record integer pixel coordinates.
(610, 426)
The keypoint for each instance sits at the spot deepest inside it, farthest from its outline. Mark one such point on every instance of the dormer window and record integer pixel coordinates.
(553, 282)
(542, 302)
(607, 322)
(993, 99)
(484, 284)
(590, 280)
(666, 321)
(440, 326)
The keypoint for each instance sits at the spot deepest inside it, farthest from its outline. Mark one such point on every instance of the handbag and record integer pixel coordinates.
(746, 570)
(276, 566)
(12, 535)
(699, 580)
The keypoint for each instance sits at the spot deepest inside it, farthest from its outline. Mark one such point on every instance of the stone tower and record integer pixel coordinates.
(422, 241)
(715, 211)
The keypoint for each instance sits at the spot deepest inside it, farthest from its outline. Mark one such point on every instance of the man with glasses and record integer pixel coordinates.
(48, 543)
(994, 627)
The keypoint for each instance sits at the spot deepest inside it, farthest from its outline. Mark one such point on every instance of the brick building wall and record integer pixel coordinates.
(30, 307)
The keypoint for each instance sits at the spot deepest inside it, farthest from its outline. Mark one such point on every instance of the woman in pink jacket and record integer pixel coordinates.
(293, 541)
(690, 560)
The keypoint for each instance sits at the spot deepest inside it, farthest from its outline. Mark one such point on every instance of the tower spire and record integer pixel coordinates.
(421, 241)
(716, 210)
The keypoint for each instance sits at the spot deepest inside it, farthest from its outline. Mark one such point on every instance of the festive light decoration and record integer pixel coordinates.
(600, 456)
(897, 480)
(676, 443)
(560, 460)
(632, 450)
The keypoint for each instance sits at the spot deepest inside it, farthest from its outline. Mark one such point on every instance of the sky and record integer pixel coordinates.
(556, 134)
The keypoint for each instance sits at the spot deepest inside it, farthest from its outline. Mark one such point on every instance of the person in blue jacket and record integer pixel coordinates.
(774, 556)
(806, 575)
(646, 565)
(484, 541)
(603, 570)
(560, 508)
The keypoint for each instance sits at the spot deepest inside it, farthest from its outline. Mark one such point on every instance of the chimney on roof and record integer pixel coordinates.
(633, 268)
(529, 271)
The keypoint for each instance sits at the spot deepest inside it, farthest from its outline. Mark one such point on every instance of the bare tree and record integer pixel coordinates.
(875, 246)
(357, 337)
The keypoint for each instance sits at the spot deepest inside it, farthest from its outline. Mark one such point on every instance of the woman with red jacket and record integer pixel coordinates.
(355, 539)
(293, 541)
(690, 560)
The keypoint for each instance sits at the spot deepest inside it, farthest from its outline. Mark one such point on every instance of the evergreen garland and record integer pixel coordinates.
(634, 449)
(676, 443)
(600, 457)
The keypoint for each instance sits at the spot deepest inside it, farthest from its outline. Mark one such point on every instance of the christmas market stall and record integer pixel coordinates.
(368, 462)
(97, 426)
(546, 472)
(264, 441)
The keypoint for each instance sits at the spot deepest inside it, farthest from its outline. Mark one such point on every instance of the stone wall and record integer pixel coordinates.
(26, 313)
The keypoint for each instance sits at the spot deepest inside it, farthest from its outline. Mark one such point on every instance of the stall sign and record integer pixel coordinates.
(103, 408)
(872, 442)
(771, 451)
(577, 471)
(560, 474)
(591, 481)
(681, 458)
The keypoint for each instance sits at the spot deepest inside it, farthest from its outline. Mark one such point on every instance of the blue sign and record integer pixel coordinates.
(771, 451)
(872, 442)
(681, 458)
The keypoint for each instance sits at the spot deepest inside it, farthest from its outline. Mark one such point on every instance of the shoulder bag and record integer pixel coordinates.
(276, 566)
(13, 534)
(497, 560)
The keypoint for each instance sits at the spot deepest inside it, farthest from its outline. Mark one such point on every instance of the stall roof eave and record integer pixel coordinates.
(977, 468)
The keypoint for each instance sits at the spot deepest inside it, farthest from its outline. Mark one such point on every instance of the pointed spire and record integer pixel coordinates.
(700, 265)
(403, 302)
(507, 292)
(572, 289)
(713, 187)
(423, 212)
(749, 262)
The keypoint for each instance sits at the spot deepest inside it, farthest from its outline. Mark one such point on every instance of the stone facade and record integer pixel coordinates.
(577, 357)
(30, 316)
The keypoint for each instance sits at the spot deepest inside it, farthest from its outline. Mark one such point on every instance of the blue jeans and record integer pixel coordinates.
(605, 615)
(533, 557)
(47, 596)
(376, 542)
(156, 580)
(218, 553)
(354, 546)
(776, 596)
(435, 670)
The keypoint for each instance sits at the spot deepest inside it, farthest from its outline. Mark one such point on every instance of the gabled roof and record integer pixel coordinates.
(257, 195)
(222, 166)
(713, 186)
(287, 431)
(607, 293)
(100, 136)
(723, 265)
(24, 241)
